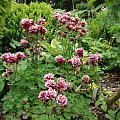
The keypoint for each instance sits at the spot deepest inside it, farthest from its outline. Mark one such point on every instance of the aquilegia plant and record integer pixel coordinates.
(51, 85)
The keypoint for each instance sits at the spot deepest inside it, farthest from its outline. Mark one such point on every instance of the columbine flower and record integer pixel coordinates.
(62, 100)
(26, 23)
(42, 30)
(33, 29)
(20, 55)
(86, 79)
(50, 84)
(43, 96)
(47, 95)
(62, 85)
(48, 76)
(25, 100)
(75, 62)
(52, 93)
(12, 58)
(59, 59)
(24, 115)
(9, 70)
(41, 21)
(56, 14)
(5, 56)
(24, 42)
(94, 58)
(5, 74)
(79, 52)
(83, 23)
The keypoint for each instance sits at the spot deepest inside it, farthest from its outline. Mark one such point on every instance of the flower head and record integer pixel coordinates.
(47, 95)
(62, 85)
(79, 52)
(59, 59)
(24, 42)
(26, 23)
(75, 62)
(43, 96)
(52, 93)
(41, 21)
(20, 55)
(48, 76)
(86, 79)
(33, 29)
(62, 100)
(50, 84)
(94, 58)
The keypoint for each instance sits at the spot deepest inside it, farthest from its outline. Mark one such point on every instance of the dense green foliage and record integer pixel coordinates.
(4, 7)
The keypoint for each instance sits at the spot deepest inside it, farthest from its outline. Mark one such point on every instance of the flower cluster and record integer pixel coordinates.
(12, 58)
(94, 59)
(53, 87)
(32, 28)
(71, 23)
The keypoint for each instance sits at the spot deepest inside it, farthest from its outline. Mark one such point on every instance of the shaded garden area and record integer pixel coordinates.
(60, 60)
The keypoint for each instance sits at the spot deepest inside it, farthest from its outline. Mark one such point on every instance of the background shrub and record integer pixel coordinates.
(4, 6)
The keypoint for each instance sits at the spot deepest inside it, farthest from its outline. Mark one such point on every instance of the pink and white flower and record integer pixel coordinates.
(86, 79)
(24, 42)
(47, 95)
(52, 93)
(75, 62)
(61, 100)
(41, 21)
(59, 59)
(26, 23)
(94, 58)
(20, 55)
(79, 52)
(43, 96)
(62, 85)
(33, 29)
(50, 84)
(48, 76)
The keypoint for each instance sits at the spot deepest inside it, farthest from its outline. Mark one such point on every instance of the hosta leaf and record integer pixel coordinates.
(55, 44)
(104, 107)
(48, 46)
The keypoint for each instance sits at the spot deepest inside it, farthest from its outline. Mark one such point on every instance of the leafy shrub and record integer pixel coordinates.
(4, 7)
